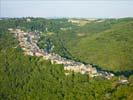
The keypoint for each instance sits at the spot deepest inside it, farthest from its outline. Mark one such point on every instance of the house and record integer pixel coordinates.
(38, 54)
(73, 21)
(28, 20)
(123, 81)
(10, 29)
(29, 53)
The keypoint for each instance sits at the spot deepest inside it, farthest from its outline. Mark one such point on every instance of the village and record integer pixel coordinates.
(28, 43)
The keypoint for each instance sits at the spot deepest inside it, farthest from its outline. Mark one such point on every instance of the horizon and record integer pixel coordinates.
(64, 17)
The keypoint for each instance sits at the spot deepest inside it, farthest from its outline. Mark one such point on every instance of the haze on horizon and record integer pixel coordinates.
(58, 8)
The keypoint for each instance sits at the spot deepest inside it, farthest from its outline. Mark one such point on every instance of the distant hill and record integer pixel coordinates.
(111, 47)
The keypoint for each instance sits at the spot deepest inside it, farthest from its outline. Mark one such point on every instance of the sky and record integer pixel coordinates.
(67, 8)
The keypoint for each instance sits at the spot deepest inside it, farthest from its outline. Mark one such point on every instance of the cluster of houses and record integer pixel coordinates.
(28, 42)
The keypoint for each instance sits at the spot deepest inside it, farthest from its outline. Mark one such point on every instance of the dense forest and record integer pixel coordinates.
(107, 44)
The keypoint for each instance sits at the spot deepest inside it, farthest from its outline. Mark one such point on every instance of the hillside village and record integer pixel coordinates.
(28, 43)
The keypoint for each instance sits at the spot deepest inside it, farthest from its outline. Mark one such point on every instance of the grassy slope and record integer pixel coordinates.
(107, 43)
(112, 49)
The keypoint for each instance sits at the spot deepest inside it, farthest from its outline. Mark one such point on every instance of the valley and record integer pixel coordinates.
(66, 59)
(28, 42)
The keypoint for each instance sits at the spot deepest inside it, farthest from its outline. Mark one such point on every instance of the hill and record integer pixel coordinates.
(32, 78)
(111, 49)
(104, 42)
